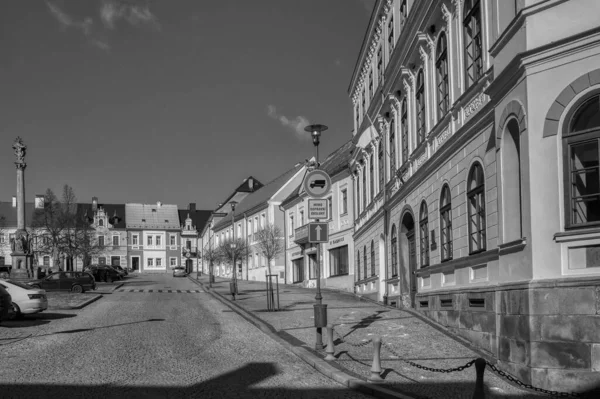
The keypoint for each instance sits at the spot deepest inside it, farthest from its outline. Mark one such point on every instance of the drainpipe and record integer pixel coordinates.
(285, 236)
(354, 206)
(244, 229)
(386, 223)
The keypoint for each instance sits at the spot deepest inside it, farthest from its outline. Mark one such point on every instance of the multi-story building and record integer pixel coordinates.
(108, 221)
(478, 127)
(153, 233)
(253, 213)
(192, 223)
(337, 260)
(207, 237)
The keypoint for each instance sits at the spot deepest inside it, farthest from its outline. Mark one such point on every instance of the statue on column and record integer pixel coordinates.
(19, 148)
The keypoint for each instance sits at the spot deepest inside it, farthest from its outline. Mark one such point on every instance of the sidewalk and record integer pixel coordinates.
(355, 323)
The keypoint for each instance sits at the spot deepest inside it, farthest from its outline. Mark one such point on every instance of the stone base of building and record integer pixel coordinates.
(545, 333)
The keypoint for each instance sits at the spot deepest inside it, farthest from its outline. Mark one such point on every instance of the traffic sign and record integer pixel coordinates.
(317, 183)
(318, 232)
(318, 209)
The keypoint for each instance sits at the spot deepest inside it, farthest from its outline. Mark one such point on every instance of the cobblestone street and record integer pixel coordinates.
(152, 344)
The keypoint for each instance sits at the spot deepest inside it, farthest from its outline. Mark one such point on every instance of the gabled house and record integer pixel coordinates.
(192, 222)
(253, 213)
(153, 233)
(337, 260)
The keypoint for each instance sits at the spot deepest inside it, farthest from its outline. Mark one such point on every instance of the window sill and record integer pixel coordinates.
(577, 235)
(338, 275)
(512, 246)
(366, 280)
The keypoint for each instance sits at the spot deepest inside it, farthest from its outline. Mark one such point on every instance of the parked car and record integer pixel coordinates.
(120, 270)
(103, 273)
(25, 298)
(5, 304)
(5, 271)
(66, 281)
(179, 272)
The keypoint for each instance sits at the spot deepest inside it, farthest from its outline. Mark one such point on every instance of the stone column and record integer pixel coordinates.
(21, 246)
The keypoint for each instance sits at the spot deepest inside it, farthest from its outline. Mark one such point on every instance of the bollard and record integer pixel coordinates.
(376, 368)
(330, 350)
(479, 369)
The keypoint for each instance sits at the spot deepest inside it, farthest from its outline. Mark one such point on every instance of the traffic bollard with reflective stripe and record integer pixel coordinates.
(376, 368)
(330, 350)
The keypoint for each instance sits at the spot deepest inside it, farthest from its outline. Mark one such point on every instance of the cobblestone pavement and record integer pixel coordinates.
(357, 322)
(152, 345)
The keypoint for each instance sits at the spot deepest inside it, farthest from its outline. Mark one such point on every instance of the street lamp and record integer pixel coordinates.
(320, 309)
(233, 284)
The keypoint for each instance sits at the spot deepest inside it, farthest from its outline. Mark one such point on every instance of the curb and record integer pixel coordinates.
(84, 304)
(303, 353)
(117, 286)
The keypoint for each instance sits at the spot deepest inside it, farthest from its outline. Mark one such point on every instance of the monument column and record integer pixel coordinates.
(21, 245)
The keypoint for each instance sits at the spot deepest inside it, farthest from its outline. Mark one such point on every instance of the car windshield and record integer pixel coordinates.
(19, 284)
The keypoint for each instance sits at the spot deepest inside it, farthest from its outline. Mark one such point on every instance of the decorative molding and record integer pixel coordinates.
(423, 54)
(446, 13)
(476, 104)
(442, 137)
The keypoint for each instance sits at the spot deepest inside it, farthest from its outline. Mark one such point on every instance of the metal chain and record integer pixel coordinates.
(531, 387)
(360, 344)
(460, 368)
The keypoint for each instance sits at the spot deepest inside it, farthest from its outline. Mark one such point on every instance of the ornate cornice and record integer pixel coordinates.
(446, 13)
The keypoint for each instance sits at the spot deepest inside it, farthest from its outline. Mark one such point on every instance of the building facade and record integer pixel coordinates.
(108, 221)
(192, 223)
(153, 233)
(478, 132)
(337, 260)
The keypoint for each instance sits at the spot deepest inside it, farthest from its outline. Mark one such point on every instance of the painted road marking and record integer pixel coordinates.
(161, 291)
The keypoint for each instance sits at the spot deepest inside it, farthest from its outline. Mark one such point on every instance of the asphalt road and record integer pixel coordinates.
(152, 345)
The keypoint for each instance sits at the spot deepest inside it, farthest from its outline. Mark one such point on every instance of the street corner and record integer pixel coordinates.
(69, 300)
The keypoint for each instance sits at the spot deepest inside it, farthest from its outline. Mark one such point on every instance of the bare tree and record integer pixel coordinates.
(4, 241)
(229, 254)
(270, 242)
(211, 255)
(48, 222)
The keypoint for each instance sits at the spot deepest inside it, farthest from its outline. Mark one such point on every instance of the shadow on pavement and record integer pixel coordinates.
(97, 328)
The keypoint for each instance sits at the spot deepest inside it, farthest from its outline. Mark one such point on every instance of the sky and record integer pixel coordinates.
(175, 101)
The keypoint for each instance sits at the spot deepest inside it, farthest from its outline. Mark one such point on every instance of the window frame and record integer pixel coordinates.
(421, 111)
(366, 264)
(372, 259)
(404, 127)
(358, 265)
(472, 14)
(394, 251)
(479, 193)
(446, 243)
(392, 141)
(424, 234)
(344, 201)
(380, 166)
(364, 190)
(371, 177)
(336, 264)
(441, 68)
(390, 39)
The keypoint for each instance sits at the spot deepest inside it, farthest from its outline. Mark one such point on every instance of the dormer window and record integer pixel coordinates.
(100, 222)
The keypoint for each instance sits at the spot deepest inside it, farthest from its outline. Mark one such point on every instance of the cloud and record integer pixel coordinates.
(368, 4)
(101, 44)
(338, 62)
(297, 124)
(113, 10)
(66, 21)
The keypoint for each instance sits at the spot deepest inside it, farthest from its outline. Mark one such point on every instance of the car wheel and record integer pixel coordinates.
(16, 311)
(37, 286)
(77, 289)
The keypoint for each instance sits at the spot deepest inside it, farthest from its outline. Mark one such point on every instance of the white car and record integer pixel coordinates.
(25, 299)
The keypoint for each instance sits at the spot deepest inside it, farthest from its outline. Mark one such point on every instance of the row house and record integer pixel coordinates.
(192, 223)
(337, 260)
(253, 213)
(153, 233)
(477, 130)
(208, 238)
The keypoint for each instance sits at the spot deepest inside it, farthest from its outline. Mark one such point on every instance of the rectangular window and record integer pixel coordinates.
(380, 165)
(150, 262)
(173, 262)
(172, 240)
(338, 261)
(46, 261)
(256, 224)
(263, 220)
(585, 182)
(344, 201)
(379, 67)
(298, 268)
(158, 262)
(149, 240)
(291, 225)
(101, 241)
(115, 260)
(158, 241)
(134, 239)
(301, 218)
(312, 267)
(391, 35)
(102, 260)
(2, 238)
(116, 240)
(330, 207)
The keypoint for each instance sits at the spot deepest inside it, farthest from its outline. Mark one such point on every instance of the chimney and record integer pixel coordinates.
(251, 184)
(192, 207)
(14, 202)
(158, 204)
(94, 204)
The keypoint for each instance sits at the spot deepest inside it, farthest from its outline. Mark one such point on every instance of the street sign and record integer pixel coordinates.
(317, 183)
(318, 232)
(318, 209)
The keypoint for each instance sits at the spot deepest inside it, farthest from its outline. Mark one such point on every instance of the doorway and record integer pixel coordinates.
(135, 263)
(409, 255)
(189, 266)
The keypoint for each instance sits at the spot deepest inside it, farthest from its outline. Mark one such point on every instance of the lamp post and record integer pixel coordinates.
(233, 284)
(320, 309)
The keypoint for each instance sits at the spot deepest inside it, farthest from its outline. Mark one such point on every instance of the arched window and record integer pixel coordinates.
(424, 234)
(372, 258)
(380, 165)
(476, 208)
(472, 38)
(420, 98)
(441, 66)
(357, 197)
(365, 261)
(394, 245)
(358, 265)
(392, 149)
(403, 13)
(364, 183)
(581, 149)
(404, 127)
(371, 177)
(446, 223)
(100, 222)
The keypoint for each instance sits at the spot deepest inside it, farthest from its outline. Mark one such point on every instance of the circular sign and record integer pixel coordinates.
(317, 183)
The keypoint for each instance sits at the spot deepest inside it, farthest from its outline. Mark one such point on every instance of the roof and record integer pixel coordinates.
(243, 188)
(110, 209)
(335, 163)
(10, 214)
(152, 216)
(259, 197)
(199, 217)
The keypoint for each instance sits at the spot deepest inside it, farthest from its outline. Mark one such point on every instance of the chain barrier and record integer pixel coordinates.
(358, 345)
(531, 387)
(460, 368)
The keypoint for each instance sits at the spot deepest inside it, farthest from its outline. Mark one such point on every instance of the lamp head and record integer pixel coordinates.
(315, 132)
(233, 204)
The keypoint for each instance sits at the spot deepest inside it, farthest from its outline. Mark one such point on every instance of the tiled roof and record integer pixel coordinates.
(259, 197)
(10, 214)
(110, 209)
(243, 188)
(199, 217)
(335, 163)
(152, 216)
